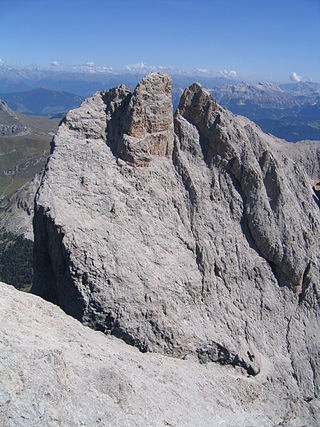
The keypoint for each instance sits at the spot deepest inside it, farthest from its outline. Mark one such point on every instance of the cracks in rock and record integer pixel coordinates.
(306, 279)
(246, 336)
(261, 306)
(218, 353)
(111, 325)
(245, 226)
(314, 373)
(115, 127)
(273, 268)
(288, 345)
(207, 142)
(316, 296)
(193, 202)
(185, 177)
(271, 181)
(201, 268)
(303, 379)
(316, 193)
(207, 152)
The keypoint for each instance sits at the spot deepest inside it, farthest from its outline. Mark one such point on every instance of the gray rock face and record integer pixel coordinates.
(143, 125)
(273, 205)
(55, 371)
(198, 236)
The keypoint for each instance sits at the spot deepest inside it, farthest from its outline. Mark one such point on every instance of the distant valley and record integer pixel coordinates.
(24, 149)
(289, 111)
(42, 102)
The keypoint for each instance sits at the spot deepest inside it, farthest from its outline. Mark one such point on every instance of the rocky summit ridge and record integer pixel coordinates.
(193, 235)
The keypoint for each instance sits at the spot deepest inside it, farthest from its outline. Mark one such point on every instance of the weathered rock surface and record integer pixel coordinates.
(203, 240)
(142, 126)
(55, 371)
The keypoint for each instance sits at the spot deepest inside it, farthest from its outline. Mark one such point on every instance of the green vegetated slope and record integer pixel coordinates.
(24, 154)
(24, 149)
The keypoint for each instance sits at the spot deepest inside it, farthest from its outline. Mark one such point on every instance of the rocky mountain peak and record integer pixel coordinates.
(147, 121)
(198, 107)
(194, 236)
(241, 147)
(137, 125)
(150, 107)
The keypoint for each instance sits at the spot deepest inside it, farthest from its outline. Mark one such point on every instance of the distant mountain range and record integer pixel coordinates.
(289, 111)
(86, 80)
(41, 101)
(267, 95)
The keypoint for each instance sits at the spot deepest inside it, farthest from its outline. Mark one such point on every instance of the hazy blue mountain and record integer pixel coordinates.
(44, 102)
(289, 111)
(84, 81)
(303, 88)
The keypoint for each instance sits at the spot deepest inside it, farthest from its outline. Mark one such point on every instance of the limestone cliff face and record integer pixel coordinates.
(198, 235)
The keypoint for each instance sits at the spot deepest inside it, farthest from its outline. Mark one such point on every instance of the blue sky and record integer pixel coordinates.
(257, 39)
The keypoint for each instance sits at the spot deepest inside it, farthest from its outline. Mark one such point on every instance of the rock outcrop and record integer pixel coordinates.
(4, 108)
(194, 236)
(9, 122)
(55, 371)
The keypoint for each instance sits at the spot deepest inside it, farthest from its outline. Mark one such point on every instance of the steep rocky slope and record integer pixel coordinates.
(16, 236)
(197, 235)
(16, 218)
(24, 149)
(54, 371)
(9, 122)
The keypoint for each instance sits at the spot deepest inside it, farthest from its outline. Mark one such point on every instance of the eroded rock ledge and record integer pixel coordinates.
(55, 371)
(196, 234)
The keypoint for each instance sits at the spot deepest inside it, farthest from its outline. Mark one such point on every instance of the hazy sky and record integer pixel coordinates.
(267, 39)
